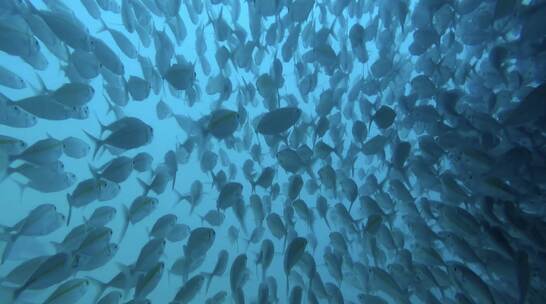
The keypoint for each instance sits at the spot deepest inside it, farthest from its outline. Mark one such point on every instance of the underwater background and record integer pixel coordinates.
(361, 151)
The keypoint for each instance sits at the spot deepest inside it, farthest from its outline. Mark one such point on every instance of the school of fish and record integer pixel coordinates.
(311, 151)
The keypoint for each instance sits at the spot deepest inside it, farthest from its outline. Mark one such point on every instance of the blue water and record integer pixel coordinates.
(168, 135)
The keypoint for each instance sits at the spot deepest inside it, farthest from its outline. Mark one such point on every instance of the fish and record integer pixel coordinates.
(124, 136)
(293, 254)
(278, 120)
(409, 135)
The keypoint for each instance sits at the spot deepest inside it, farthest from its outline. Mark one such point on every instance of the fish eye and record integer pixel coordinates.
(15, 108)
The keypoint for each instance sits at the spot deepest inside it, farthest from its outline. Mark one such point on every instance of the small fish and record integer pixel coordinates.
(278, 121)
(219, 268)
(199, 242)
(293, 254)
(189, 290)
(10, 79)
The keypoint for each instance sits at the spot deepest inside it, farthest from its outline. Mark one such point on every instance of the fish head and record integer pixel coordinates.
(89, 42)
(77, 260)
(70, 178)
(61, 217)
(211, 234)
(113, 249)
(455, 271)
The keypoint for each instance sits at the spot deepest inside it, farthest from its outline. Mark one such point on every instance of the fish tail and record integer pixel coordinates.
(209, 280)
(93, 171)
(327, 223)
(253, 185)
(68, 199)
(111, 108)
(247, 243)
(4, 232)
(311, 283)
(125, 218)
(42, 89)
(389, 168)
(213, 176)
(31, 6)
(103, 26)
(243, 226)
(22, 187)
(12, 158)
(9, 245)
(338, 150)
(9, 171)
(391, 217)
(145, 187)
(16, 293)
(287, 286)
(126, 271)
(179, 198)
(331, 29)
(210, 18)
(58, 246)
(96, 142)
(310, 172)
